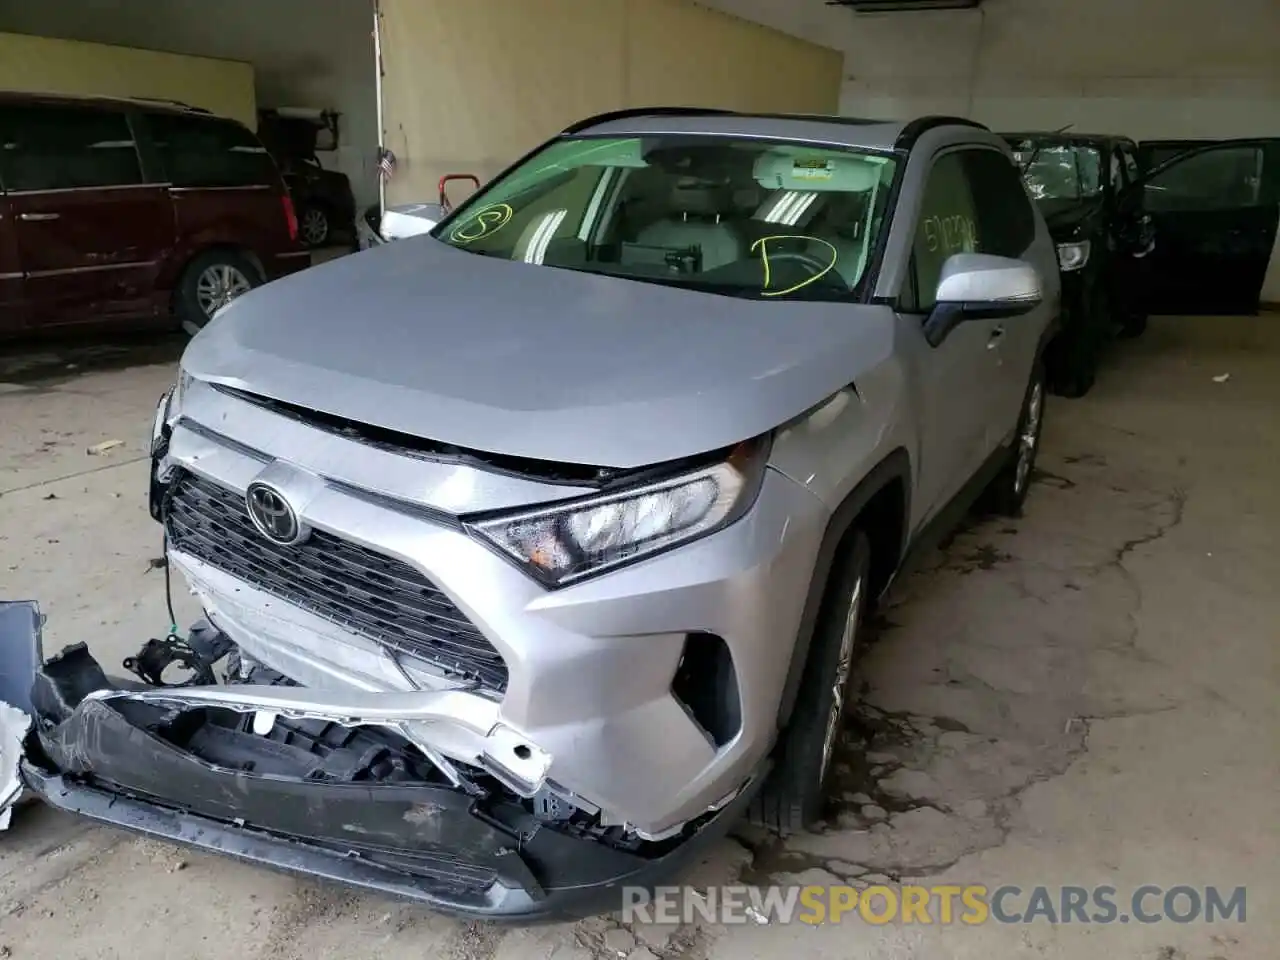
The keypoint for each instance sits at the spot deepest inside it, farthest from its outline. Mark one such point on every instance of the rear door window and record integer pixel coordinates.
(63, 148)
(210, 152)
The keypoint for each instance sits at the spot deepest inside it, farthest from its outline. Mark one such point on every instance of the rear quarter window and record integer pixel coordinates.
(210, 152)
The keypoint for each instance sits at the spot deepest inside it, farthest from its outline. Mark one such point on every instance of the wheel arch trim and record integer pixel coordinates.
(896, 467)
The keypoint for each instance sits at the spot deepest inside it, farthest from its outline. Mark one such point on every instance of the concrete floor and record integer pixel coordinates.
(1088, 695)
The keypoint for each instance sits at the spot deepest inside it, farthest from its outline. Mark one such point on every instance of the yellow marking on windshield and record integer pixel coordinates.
(763, 244)
(482, 223)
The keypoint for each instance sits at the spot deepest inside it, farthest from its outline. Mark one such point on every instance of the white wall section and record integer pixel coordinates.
(1146, 68)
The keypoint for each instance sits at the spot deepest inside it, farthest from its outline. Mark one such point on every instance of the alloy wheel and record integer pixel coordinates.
(218, 285)
(314, 227)
(840, 681)
(1029, 438)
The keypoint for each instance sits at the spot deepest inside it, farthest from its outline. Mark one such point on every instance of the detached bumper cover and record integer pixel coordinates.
(126, 756)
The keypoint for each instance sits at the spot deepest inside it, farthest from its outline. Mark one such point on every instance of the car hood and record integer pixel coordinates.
(533, 361)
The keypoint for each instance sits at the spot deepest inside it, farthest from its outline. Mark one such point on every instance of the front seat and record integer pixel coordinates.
(697, 220)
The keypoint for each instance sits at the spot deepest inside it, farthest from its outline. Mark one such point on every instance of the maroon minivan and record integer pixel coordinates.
(133, 213)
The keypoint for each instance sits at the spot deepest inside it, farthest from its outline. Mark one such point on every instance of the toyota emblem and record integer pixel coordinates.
(272, 514)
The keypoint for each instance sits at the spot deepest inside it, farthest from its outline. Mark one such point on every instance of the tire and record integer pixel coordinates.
(1135, 325)
(1076, 360)
(315, 226)
(211, 280)
(793, 797)
(1008, 489)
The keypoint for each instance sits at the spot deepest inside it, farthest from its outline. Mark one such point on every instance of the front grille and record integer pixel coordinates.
(360, 589)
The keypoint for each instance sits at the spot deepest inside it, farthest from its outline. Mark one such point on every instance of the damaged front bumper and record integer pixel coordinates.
(264, 774)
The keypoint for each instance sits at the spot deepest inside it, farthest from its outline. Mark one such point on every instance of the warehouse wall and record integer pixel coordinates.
(1147, 68)
(511, 73)
(69, 66)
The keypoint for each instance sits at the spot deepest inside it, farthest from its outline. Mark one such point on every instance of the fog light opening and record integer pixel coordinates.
(706, 685)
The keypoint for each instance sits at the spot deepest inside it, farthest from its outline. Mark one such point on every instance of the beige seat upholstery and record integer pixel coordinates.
(697, 220)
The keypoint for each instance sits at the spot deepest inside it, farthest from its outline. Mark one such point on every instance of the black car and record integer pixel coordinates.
(323, 198)
(1084, 187)
(325, 205)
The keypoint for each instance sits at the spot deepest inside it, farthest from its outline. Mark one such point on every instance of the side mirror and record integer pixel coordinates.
(977, 285)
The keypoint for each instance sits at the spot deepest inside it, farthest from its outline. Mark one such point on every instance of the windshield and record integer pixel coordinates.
(1060, 171)
(738, 217)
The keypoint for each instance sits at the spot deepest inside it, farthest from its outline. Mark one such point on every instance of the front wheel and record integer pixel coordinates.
(1008, 490)
(1134, 325)
(793, 797)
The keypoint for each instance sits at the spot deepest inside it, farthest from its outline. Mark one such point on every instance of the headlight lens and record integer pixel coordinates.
(1073, 256)
(567, 542)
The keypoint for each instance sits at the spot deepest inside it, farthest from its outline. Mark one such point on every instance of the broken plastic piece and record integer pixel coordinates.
(14, 727)
(198, 655)
(19, 656)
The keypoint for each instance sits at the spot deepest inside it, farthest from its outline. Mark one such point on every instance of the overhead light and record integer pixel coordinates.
(903, 6)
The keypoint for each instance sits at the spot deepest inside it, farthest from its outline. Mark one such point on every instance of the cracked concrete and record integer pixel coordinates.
(1086, 695)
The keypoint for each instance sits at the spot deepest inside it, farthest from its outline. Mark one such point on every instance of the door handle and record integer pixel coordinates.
(996, 335)
(39, 216)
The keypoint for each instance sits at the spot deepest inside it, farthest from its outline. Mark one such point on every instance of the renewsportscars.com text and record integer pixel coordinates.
(968, 905)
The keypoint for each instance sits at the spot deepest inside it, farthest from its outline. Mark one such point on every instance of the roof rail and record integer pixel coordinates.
(171, 103)
(820, 118)
(921, 125)
(646, 112)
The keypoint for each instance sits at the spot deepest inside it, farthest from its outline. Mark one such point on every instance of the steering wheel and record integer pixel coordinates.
(806, 260)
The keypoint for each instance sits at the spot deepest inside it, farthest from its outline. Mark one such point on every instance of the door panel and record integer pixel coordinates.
(956, 380)
(1215, 213)
(89, 232)
(960, 387)
(12, 308)
(1008, 227)
(92, 255)
(1128, 236)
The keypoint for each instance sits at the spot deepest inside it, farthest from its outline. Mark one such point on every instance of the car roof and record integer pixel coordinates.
(867, 134)
(27, 98)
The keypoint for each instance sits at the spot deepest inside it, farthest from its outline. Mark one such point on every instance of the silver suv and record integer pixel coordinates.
(538, 546)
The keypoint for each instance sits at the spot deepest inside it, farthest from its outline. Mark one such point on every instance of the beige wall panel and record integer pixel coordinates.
(471, 85)
(43, 64)
(685, 54)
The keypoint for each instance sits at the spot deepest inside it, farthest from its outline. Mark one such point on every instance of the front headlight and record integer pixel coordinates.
(1073, 256)
(566, 542)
